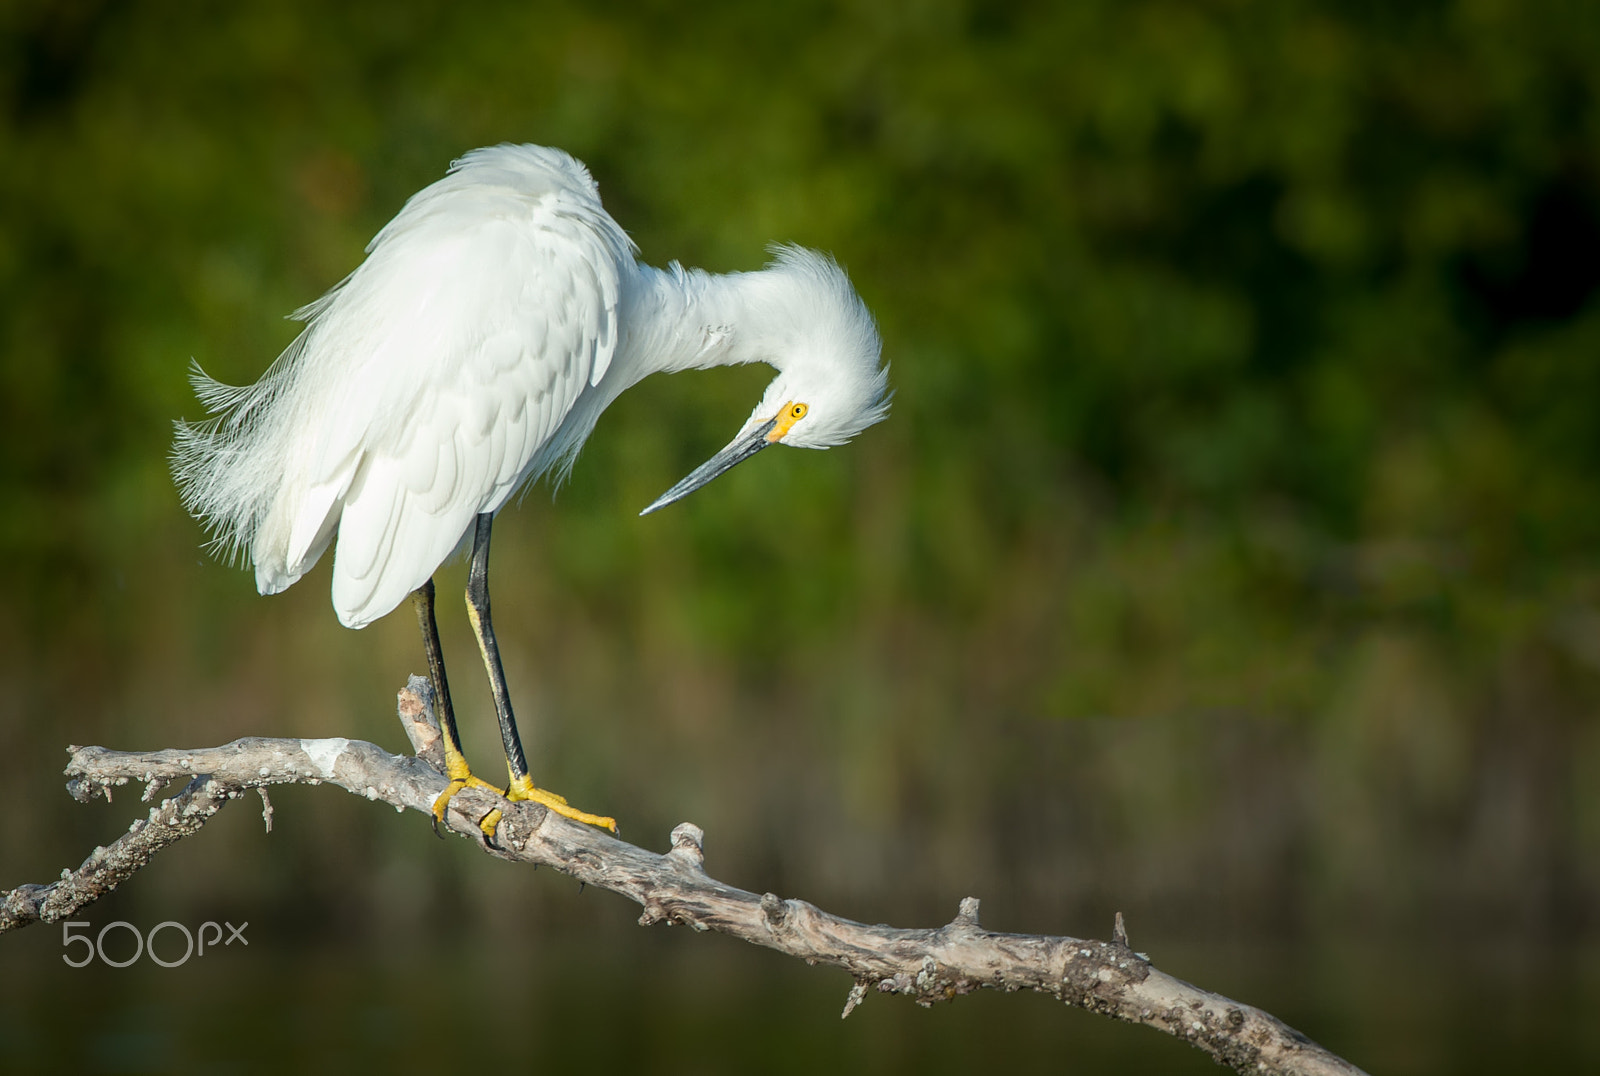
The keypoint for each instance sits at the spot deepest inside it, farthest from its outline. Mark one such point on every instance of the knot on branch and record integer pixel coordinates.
(775, 911)
(1096, 974)
(686, 847)
(966, 915)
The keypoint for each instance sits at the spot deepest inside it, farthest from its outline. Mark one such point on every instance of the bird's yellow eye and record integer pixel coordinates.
(791, 413)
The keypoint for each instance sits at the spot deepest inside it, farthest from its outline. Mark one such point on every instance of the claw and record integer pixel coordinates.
(489, 824)
(523, 788)
(457, 783)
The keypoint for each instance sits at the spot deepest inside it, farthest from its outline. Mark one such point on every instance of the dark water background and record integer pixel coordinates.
(1228, 559)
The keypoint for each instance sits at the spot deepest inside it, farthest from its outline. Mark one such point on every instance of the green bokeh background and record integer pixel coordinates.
(1229, 558)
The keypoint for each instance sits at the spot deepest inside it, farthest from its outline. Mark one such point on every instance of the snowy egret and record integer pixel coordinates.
(493, 320)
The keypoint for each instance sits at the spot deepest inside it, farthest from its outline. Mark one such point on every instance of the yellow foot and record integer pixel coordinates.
(522, 789)
(442, 804)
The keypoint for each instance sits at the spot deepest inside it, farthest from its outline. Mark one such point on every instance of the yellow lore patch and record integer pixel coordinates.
(787, 417)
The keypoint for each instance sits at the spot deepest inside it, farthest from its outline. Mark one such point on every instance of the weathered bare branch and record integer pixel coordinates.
(927, 965)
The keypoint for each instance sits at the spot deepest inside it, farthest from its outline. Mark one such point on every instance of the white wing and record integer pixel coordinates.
(424, 384)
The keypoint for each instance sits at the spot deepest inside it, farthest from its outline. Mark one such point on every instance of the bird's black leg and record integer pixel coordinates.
(455, 762)
(422, 599)
(483, 627)
(522, 787)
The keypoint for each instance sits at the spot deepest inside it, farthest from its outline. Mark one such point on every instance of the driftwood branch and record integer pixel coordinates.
(927, 965)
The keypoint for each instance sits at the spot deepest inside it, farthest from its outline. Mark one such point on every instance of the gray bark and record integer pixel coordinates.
(927, 965)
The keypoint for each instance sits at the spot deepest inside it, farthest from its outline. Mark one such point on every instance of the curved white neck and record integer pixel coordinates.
(688, 319)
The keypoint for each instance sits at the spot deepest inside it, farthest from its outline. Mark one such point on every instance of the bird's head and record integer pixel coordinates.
(817, 333)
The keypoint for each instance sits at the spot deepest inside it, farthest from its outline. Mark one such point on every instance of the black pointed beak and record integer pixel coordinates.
(741, 449)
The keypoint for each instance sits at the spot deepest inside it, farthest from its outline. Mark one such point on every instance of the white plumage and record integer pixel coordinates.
(473, 350)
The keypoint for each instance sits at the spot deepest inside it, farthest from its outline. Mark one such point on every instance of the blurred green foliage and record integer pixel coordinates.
(1314, 278)
(1247, 359)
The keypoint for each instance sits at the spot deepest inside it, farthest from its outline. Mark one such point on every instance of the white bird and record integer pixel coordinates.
(493, 320)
